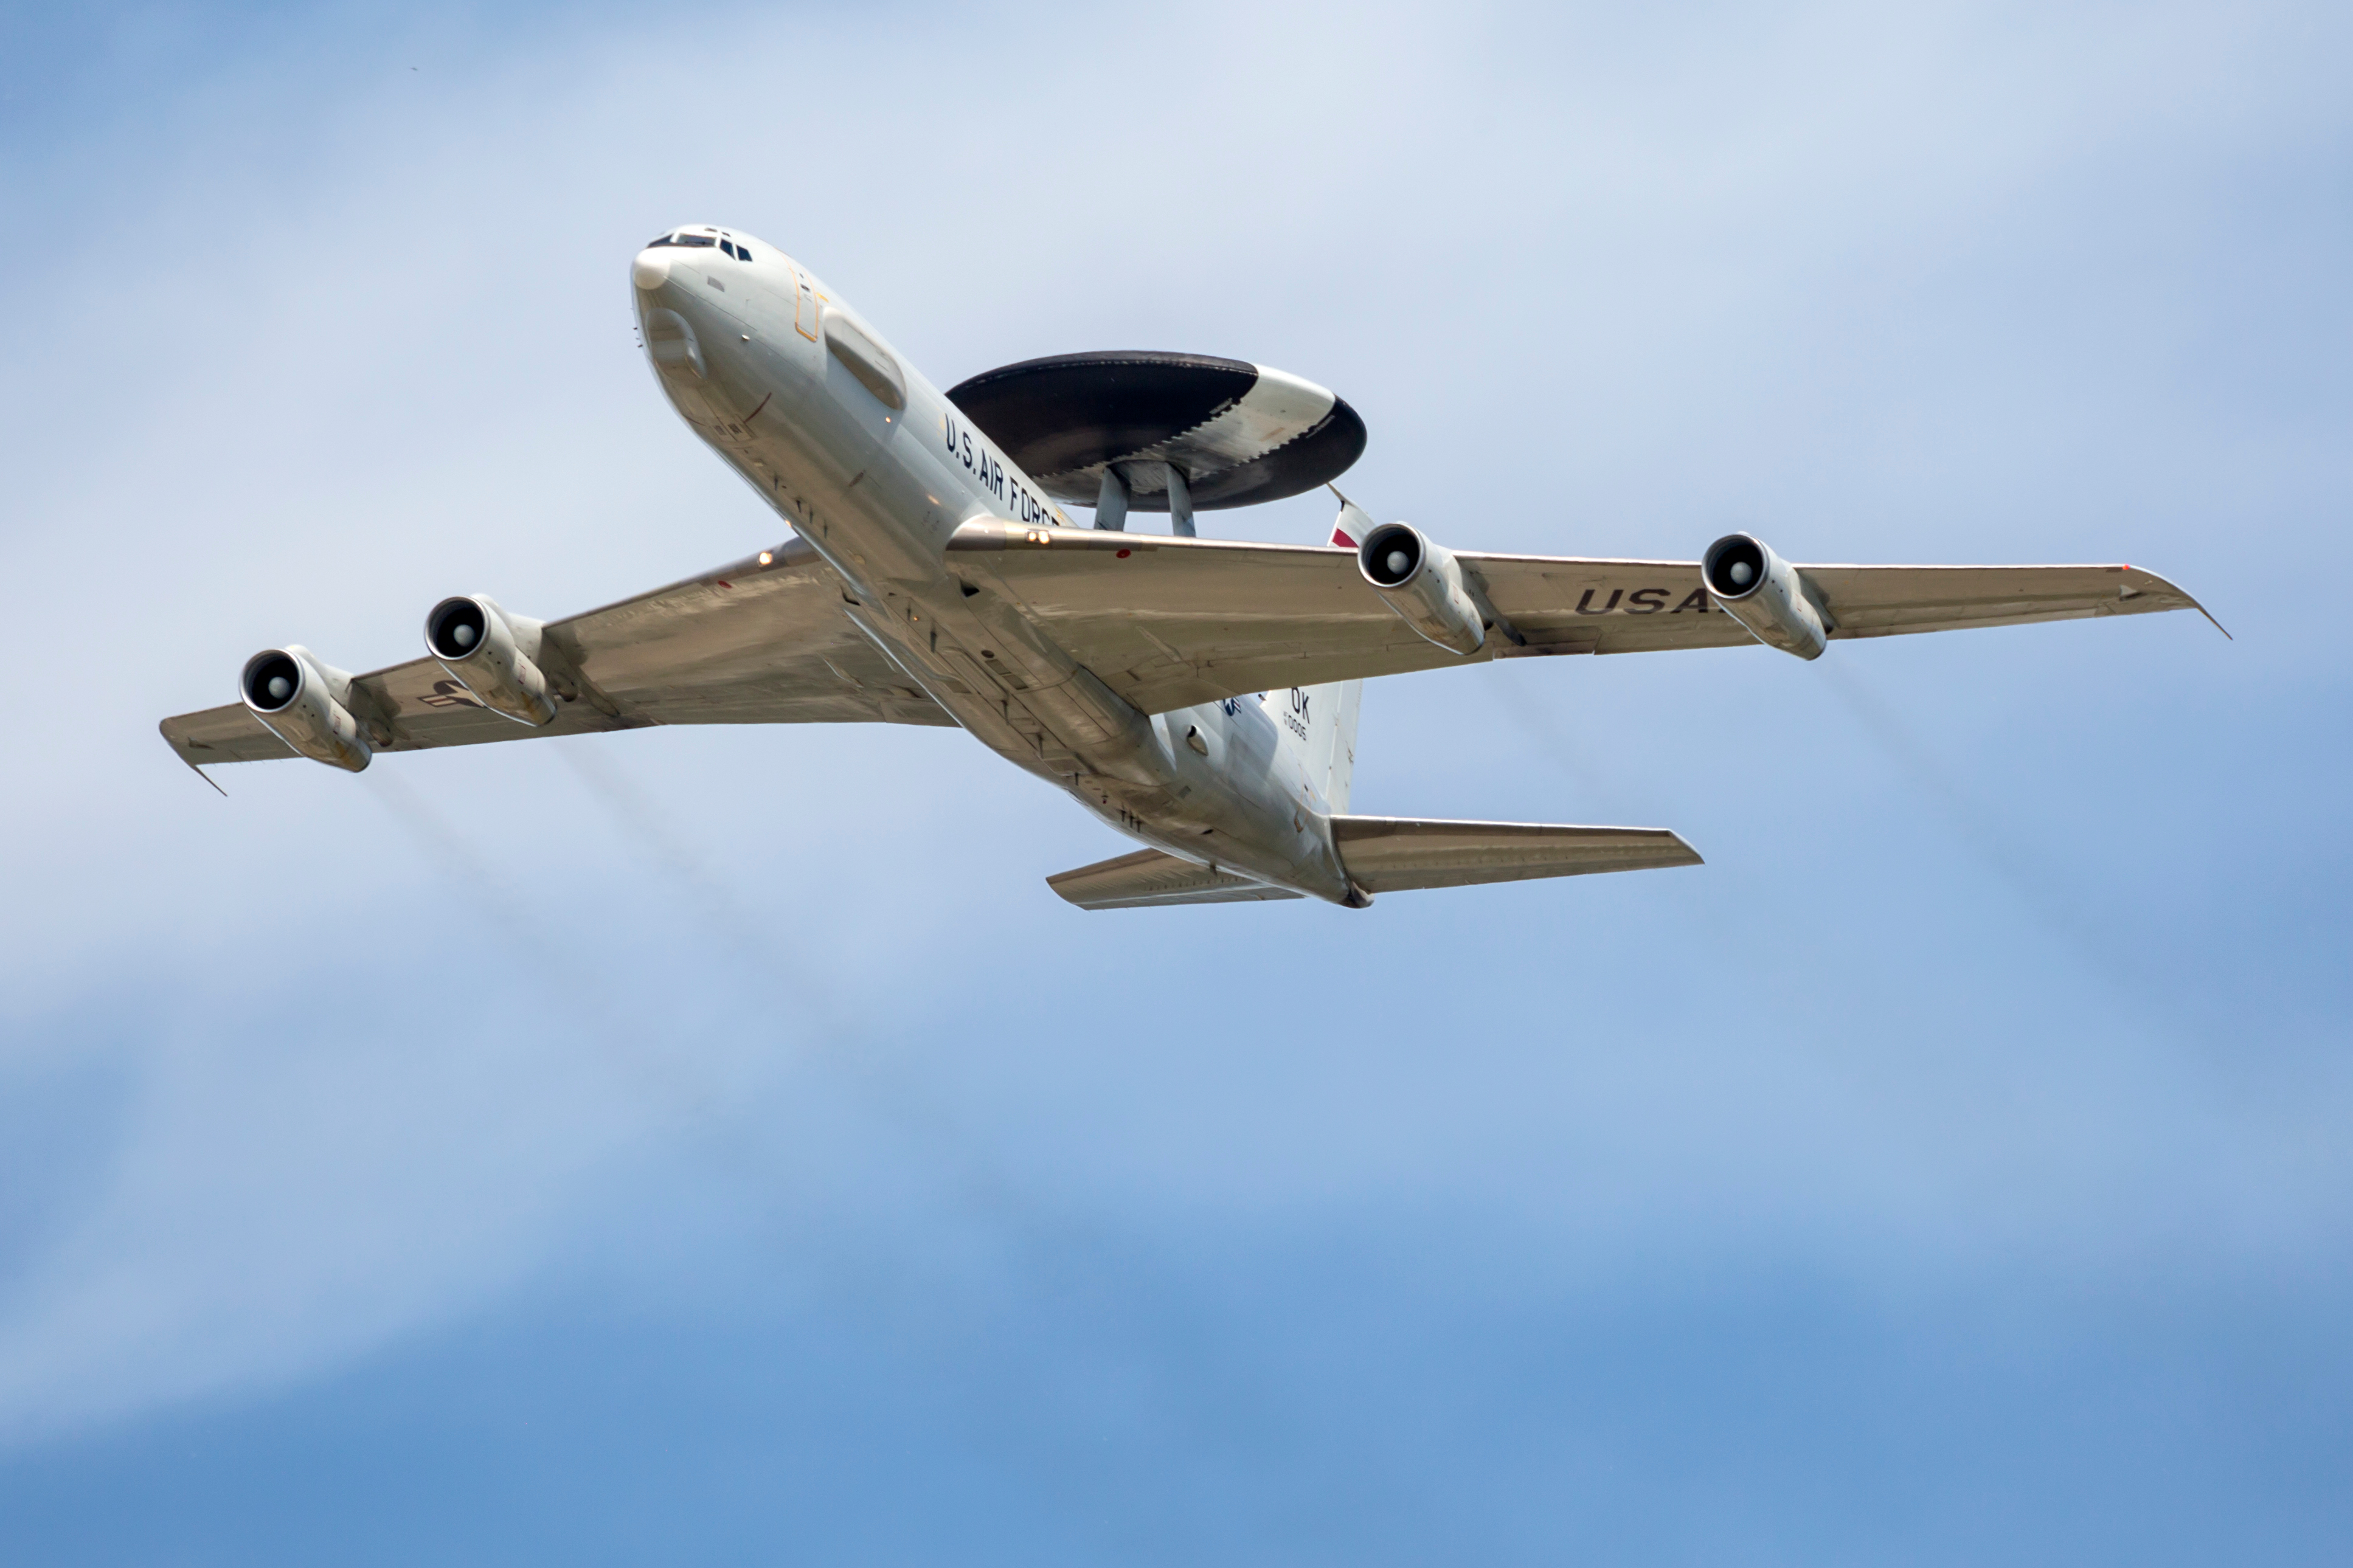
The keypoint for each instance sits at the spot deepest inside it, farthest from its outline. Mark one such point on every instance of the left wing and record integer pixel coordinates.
(755, 642)
(1170, 622)
(1150, 878)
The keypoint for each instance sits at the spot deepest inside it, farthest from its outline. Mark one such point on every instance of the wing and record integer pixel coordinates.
(1171, 622)
(747, 644)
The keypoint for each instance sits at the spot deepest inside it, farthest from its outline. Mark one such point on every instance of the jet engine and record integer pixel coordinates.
(1421, 582)
(1765, 594)
(492, 654)
(302, 702)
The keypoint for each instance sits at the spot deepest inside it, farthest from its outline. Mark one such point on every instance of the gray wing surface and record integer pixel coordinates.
(1387, 855)
(1150, 879)
(1171, 622)
(1395, 854)
(746, 643)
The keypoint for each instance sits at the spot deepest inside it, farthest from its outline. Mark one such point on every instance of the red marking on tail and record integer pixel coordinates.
(1342, 540)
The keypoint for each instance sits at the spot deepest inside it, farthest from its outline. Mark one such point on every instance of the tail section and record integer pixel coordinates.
(1318, 725)
(1333, 708)
(1149, 878)
(1333, 756)
(1395, 853)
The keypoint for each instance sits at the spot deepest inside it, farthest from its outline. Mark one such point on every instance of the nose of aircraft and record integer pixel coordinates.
(650, 269)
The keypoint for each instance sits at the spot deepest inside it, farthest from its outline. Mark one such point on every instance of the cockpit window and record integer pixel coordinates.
(681, 238)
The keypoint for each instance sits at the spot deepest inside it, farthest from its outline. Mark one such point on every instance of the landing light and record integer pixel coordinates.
(767, 558)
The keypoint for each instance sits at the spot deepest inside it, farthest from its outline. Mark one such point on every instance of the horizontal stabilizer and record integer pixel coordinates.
(1148, 878)
(1394, 853)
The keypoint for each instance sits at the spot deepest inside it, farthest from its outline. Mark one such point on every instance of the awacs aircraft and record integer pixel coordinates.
(1200, 695)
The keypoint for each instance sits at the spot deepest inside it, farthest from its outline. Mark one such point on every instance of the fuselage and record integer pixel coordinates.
(872, 467)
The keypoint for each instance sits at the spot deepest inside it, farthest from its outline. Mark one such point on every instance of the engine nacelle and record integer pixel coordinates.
(1421, 582)
(1765, 594)
(303, 702)
(492, 654)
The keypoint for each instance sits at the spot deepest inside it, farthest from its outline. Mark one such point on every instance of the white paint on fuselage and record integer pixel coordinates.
(878, 492)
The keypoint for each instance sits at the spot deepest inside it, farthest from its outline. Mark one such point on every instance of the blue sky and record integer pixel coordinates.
(722, 1146)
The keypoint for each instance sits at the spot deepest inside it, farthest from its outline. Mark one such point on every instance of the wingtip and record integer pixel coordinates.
(2188, 597)
(205, 776)
(2209, 615)
(164, 730)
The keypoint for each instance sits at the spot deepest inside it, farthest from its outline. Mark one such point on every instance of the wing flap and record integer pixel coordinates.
(1397, 854)
(1150, 879)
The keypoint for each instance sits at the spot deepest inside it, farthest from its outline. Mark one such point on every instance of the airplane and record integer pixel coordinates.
(1198, 695)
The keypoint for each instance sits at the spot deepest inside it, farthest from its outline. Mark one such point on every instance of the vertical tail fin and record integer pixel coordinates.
(1345, 700)
(1349, 700)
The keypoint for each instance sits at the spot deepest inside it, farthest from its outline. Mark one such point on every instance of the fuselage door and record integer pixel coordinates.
(804, 304)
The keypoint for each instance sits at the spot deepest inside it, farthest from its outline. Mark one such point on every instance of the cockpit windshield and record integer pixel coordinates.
(734, 248)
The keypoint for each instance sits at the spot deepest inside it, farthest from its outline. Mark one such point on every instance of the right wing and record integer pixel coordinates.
(1171, 622)
(747, 644)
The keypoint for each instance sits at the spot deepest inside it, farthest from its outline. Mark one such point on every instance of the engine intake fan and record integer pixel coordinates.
(1423, 583)
(303, 701)
(492, 654)
(1765, 594)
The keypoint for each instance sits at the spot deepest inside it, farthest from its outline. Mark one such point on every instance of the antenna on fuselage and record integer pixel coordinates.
(1117, 489)
(1142, 430)
(1180, 503)
(1110, 501)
